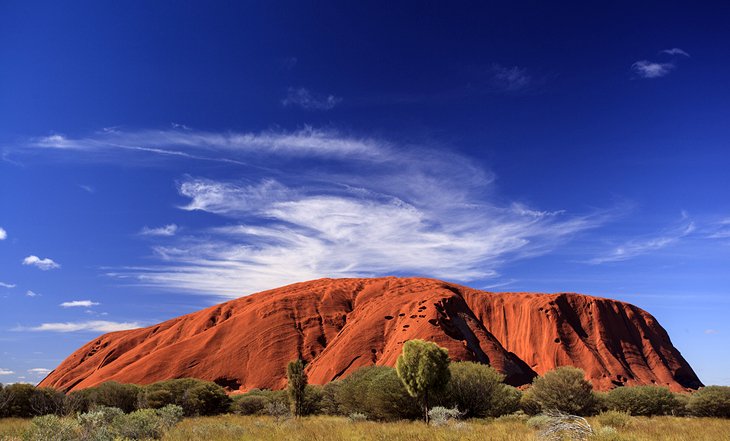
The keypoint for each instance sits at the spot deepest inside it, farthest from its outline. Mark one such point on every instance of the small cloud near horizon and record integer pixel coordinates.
(3, 234)
(79, 303)
(711, 331)
(30, 293)
(6, 372)
(42, 264)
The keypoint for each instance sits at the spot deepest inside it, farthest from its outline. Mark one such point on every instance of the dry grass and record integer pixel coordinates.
(322, 428)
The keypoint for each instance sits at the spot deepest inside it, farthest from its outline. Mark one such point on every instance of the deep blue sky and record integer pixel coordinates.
(158, 157)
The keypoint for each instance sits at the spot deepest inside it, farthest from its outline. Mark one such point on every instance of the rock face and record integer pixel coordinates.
(340, 325)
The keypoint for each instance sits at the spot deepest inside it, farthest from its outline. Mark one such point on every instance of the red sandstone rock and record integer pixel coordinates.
(339, 325)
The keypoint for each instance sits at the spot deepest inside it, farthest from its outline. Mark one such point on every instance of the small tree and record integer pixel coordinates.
(565, 390)
(423, 367)
(297, 386)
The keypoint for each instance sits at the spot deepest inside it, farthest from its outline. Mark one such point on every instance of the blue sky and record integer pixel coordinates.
(160, 157)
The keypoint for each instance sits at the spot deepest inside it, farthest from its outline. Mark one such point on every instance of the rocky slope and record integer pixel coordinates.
(339, 325)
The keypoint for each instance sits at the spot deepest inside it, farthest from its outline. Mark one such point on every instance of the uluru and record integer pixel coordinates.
(340, 325)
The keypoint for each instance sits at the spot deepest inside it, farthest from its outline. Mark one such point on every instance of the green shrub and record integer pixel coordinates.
(710, 401)
(643, 400)
(52, 427)
(614, 418)
(566, 390)
(140, 424)
(478, 391)
(328, 404)
(96, 425)
(196, 397)
(528, 403)
(423, 367)
(538, 422)
(249, 404)
(377, 392)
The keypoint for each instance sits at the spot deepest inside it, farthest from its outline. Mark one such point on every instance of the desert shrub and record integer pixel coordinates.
(312, 400)
(96, 425)
(328, 404)
(440, 416)
(169, 416)
(710, 401)
(357, 417)
(377, 392)
(614, 418)
(52, 427)
(249, 404)
(423, 367)
(477, 390)
(643, 400)
(560, 426)
(564, 389)
(528, 403)
(606, 433)
(19, 400)
(538, 422)
(46, 400)
(140, 424)
(196, 397)
(113, 394)
(278, 409)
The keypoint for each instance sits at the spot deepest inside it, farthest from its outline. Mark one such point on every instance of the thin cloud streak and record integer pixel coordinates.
(637, 247)
(166, 230)
(308, 100)
(88, 326)
(79, 303)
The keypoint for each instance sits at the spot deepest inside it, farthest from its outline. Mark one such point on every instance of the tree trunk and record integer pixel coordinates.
(425, 408)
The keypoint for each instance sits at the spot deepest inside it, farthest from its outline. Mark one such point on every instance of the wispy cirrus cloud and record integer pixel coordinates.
(640, 246)
(44, 264)
(510, 79)
(371, 207)
(79, 304)
(87, 326)
(657, 69)
(165, 230)
(651, 69)
(306, 99)
(40, 371)
(7, 285)
(675, 51)
(30, 293)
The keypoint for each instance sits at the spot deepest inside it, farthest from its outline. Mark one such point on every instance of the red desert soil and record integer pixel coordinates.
(339, 325)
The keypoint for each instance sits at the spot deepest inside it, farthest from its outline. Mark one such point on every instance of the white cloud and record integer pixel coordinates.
(511, 79)
(87, 188)
(6, 372)
(39, 371)
(89, 326)
(638, 247)
(43, 264)
(166, 230)
(30, 293)
(79, 303)
(711, 331)
(308, 100)
(651, 69)
(7, 285)
(675, 51)
(370, 207)
(3, 234)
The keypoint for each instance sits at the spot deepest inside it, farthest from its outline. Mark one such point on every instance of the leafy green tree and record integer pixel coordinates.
(423, 367)
(296, 386)
(564, 389)
(710, 401)
(196, 397)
